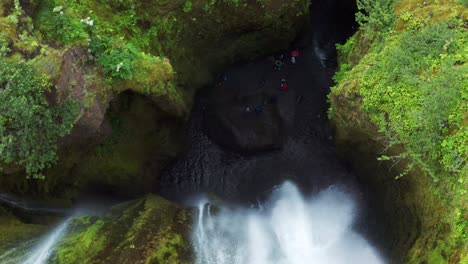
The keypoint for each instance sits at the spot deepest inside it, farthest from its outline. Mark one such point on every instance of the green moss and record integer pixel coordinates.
(424, 13)
(407, 91)
(16, 235)
(49, 62)
(140, 132)
(149, 230)
(153, 77)
(81, 246)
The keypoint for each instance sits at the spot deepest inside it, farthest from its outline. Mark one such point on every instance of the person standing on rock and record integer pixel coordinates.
(284, 85)
(294, 55)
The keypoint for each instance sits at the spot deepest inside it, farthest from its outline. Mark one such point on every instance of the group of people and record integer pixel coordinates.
(284, 87)
(279, 65)
(279, 62)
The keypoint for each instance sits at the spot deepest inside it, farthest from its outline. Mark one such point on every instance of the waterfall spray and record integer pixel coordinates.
(45, 247)
(289, 230)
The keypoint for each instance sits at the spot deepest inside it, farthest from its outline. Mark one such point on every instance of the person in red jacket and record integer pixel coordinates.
(284, 85)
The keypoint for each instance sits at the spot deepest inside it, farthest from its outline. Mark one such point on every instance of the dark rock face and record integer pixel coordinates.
(248, 110)
(74, 84)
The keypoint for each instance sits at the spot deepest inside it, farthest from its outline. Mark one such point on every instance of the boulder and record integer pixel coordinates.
(147, 230)
(248, 111)
(18, 236)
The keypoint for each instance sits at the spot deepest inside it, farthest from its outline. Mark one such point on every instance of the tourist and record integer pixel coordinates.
(284, 85)
(294, 55)
(293, 60)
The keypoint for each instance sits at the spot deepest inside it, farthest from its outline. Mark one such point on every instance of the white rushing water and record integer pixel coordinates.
(42, 252)
(289, 229)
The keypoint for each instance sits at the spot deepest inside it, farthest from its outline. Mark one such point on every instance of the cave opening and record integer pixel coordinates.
(333, 21)
(139, 142)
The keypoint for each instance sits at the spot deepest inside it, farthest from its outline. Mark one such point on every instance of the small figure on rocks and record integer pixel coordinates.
(293, 60)
(284, 85)
(294, 55)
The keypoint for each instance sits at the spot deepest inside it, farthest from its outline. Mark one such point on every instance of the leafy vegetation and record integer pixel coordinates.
(29, 126)
(187, 7)
(115, 56)
(376, 15)
(122, 48)
(416, 93)
(58, 24)
(409, 81)
(69, 23)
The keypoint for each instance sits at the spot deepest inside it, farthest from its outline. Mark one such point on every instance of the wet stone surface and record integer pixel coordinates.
(241, 155)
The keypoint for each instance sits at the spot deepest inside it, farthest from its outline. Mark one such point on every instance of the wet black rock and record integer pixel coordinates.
(250, 113)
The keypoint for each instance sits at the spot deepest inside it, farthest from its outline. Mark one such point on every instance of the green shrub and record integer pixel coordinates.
(57, 25)
(376, 15)
(115, 56)
(416, 93)
(187, 7)
(3, 45)
(208, 7)
(29, 126)
(463, 2)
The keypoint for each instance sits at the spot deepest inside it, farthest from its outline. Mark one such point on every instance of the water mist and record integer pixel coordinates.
(288, 229)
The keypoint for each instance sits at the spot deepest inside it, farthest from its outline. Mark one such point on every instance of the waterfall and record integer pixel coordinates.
(320, 54)
(290, 229)
(45, 247)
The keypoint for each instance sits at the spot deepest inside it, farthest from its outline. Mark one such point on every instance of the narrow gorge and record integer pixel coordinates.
(233, 131)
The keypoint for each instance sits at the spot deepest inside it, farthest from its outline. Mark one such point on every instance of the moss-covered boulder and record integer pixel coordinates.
(399, 110)
(17, 236)
(129, 161)
(148, 230)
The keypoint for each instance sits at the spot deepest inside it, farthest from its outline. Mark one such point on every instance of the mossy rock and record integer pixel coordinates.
(415, 168)
(128, 162)
(17, 237)
(148, 230)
